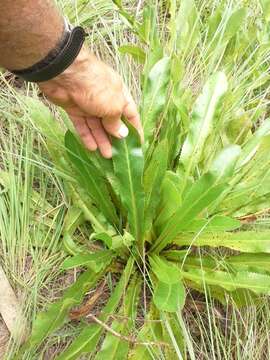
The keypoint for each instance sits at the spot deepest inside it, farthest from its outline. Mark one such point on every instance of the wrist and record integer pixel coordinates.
(59, 58)
(79, 65)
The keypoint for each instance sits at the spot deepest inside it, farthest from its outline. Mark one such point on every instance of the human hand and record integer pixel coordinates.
(95, 98)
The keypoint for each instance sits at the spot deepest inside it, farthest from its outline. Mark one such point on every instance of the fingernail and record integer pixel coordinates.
(123, 131)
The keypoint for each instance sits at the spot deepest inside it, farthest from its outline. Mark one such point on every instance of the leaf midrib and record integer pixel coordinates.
(132, 192)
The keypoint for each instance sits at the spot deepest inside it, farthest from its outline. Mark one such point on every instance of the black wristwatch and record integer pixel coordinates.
(58, 58)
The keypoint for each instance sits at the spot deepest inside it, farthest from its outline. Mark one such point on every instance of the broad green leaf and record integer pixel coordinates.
(153, 177)
(234, 23)
(169, 297)
(89, 177)
(249, 191)
(240, 297)
(266, 8)
(243, 262)
(106, 238)
(170, 198)
(165, 271)
(173, 335)
(113, 347)
(70, 246)
(250, 262)
(202, 120)
(223, 168)
(175, 255)
(198, 198)
(148, 31)
(87, 340)
(186, 24)
(239, 129)
(155, 95)
(213, 24)
(57, 313)
(114, 241)
(73, 218)
(252, 145)
(245, 241)
(224, 164)
(95, 261)
(90, 212)
(44, 121)
(128, 164)
(135, 51)
(258, 283)
(215, 223)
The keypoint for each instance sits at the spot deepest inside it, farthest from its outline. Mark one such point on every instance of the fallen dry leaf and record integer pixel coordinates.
(10, 309)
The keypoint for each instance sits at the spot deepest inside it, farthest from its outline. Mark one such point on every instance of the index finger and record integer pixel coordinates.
(131, 113)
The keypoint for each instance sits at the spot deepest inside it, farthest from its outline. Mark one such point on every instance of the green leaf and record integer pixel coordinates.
(57, 313)
(44, 121)
(234, 23)
(202, 120)
(135, 51)
(213, 224)
(90, 212)
(258, 283)
(113, 347)
(173, 334)
(87, 340)
(153, 177)
(245, 241)
(70, 246)
(165, 271)
(106, 238)
(95, 261)
(89, 177)
(73, 218)
(170, 200)
(198, 198)
(128, 164)
(244, 262)
(149, 33)
(187, 31)
(239, 297)
(252, 145)
(224, 163)
(155, 95)
(150, 332)
(250, 262)
(223, 168)
(266, 8)
(115, 242)
(250, 188)
(175, 255)
(169, 297)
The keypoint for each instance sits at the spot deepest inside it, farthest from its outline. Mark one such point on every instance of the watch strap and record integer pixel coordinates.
(58, 59)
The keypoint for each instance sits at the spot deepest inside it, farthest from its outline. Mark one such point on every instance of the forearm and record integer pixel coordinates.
(29, 30)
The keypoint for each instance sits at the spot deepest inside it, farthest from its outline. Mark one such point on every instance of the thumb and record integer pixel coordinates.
(115, 127)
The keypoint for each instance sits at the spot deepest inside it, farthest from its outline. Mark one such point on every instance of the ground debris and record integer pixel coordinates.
(11, 310)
